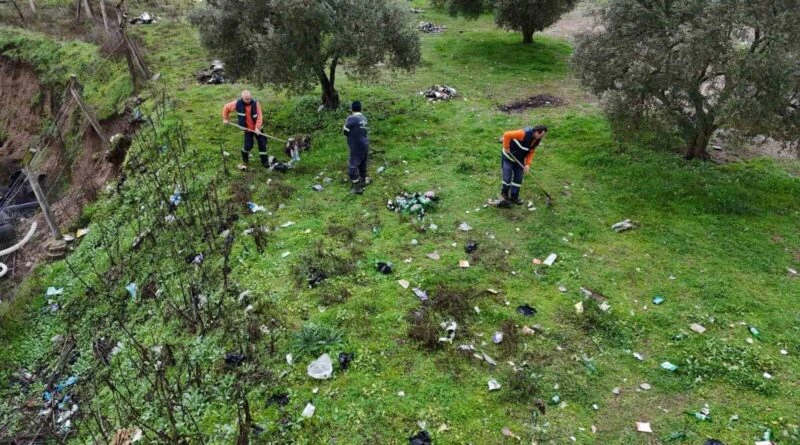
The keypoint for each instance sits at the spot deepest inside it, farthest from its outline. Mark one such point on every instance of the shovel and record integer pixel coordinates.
(549, 199)
(255, 132)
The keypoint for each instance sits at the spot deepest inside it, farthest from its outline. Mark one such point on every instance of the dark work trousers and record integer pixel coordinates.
(357, 166)
(249, 139)
(512, 177)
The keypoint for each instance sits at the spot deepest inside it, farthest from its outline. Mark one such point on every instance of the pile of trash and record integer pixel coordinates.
(417, 11)
(296, 145)
(214, 75)
(144, 19)
(429, 27)
(58, 402)
(416, 203)
(439, 92)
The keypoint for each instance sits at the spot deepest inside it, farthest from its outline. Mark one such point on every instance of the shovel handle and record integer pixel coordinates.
(255, 132)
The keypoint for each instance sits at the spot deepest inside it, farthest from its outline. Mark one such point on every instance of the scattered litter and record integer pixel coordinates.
(381, 169)
(658, 299)
(638, 356)
(645, 386)
(421, 294)
(643, 427)
(142, 19)
(617, 391)
(768, 376)
(697, 328)
(234, 359)
(550, 259)
(526, 310)
(317, 187)
(492, 291)
(131, 288)
(416, 203)
(604, 306)
(213, 75)
(289, 359)
(434, 255)
(792, 272)
(308, 411)
(321, 368)
(433, 227)
(255, 208)
(403, 283)
(555, 400)
(562, 289)
(754, 332)
(508, 433)
(477, 310)
(52, 291)
(417, 10)
(497, 337)
(464, 264)
(669, 366)
(414, 242)
(528, 331)
(439, 92)
(421, 438)
(450, 328)
(385, 268)
(345, 359)
(464, 227)
(595, 407)
(493, 385)
(430, 28)
(623, 226)
(285, 254)
(784, 352)
(287, 224)
(80, 233)
(471, 246)
(536, 261)
(579, 307)
(489, 360)
(713, 442)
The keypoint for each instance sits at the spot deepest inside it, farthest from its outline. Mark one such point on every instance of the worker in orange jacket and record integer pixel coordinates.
(249, 113)
(519, 147)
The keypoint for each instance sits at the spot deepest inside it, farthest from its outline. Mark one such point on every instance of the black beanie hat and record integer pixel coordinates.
(355, 106)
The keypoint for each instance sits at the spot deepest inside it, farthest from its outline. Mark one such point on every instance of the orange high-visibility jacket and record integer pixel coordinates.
(517, 137)
(230, 107)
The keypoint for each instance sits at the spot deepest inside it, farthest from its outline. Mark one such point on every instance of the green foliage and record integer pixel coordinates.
(105, 81)
(289, 43)
(690, 67)
(313, 340)
(530, 16)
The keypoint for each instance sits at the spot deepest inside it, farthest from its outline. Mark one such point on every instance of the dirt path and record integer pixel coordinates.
(572, 23)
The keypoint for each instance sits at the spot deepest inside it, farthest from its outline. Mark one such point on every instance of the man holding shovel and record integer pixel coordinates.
(250, 117)
(518, 151)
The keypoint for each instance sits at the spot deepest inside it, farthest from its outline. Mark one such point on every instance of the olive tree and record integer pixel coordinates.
(690, 67)
(294, 44)
(524, 16)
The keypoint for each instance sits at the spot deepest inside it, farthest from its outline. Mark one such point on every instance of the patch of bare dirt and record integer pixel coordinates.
(572, 23)
(537, 101)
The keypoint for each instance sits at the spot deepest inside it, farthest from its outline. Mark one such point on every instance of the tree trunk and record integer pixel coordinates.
(330, 97)
(697, 147)
(527, 37)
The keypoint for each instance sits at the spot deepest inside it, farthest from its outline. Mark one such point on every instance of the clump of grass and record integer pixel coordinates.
(313, 340)
(319, 263)
(334, 293)
(453, 302)
(606, 325)
(523, 385)
(423, 328)
(510, 342)
(737, 365)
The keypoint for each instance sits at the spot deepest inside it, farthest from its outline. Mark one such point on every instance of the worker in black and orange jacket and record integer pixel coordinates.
(519, 147)
(248, 111)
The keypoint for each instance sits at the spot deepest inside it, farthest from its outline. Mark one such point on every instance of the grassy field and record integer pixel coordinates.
(714, 241)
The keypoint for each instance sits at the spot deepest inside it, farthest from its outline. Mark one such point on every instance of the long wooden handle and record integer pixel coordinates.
(255, 132)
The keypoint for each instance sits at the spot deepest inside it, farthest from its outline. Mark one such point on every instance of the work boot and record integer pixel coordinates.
(245, 157)
(358, 188)
(505, 197)
(265, 161)
(516, 200)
